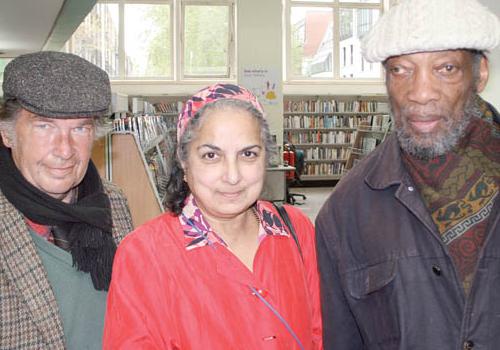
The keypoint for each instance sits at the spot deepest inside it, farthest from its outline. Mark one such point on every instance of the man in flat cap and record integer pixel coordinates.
(59, 222)
(409, 241)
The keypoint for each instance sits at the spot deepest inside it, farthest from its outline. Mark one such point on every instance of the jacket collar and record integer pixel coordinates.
(388, 169)
(24, 269)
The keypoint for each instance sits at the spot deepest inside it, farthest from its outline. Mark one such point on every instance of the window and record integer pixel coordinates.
(147, 40)
(206, 40)
(96, 39)
(3, 63)
(321, 30)
(159, 39)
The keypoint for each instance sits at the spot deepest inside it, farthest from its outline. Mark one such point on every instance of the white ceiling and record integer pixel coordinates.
(25, 25)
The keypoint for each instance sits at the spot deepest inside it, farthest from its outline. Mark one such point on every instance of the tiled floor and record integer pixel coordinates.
(316, 196)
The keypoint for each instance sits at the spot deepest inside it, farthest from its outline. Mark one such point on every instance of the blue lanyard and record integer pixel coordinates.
(275, 312)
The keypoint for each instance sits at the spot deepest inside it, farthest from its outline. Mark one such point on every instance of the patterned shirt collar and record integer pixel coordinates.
(198, 233)
(42, 230)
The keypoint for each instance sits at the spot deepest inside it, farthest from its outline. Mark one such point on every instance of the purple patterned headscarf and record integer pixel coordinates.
(211, 94)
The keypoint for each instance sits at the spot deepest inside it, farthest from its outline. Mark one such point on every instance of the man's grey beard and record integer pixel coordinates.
(443, 142)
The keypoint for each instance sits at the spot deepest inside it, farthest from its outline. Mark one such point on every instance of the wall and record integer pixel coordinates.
(260, 47)
(492, 91)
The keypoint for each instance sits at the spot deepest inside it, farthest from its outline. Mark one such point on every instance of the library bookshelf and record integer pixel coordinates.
(324, 127)
(136, 154)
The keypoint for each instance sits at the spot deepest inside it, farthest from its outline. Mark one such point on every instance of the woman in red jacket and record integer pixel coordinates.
(220, 270)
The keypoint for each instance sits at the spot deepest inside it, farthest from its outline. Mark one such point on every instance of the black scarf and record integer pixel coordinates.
(87, 223)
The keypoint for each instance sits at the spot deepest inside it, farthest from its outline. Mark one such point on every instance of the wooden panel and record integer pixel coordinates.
(130, 173)
(98, 156)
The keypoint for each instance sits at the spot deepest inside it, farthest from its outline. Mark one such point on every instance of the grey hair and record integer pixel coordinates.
(177, 189)
(10, 109)
(102, 127)
(477, 56)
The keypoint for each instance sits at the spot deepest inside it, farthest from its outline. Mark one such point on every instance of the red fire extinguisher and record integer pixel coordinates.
(289, 159)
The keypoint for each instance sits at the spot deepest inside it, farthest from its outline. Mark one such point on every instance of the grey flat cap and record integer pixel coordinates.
(57, 85)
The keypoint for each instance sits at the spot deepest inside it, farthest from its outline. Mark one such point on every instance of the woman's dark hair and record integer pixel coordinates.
(177, 188)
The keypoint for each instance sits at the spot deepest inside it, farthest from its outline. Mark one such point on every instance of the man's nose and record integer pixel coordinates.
(424, 88)
(63, 147)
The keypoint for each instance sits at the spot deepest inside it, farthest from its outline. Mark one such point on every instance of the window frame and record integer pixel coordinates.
(121, 33)
(335, 6)
(176, 41)
(230, 74)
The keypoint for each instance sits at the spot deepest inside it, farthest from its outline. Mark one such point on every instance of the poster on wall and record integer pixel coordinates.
(264, 83)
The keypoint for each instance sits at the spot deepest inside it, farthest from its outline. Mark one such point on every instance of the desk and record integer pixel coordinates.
(275, 183)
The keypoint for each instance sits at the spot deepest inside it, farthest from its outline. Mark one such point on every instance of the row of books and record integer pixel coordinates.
(381, 122)
(156, 163)
(368, 144)
(324, 168)
(167, 107)
(321, 153)
(328, 106)
(329, 137)
(331, 121)
(146, 127)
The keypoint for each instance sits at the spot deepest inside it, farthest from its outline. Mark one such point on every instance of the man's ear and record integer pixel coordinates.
(483, 75)
(6, 139)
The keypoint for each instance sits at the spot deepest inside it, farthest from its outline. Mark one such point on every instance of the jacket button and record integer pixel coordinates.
(437, 270)
(262, 292)
(468, 345)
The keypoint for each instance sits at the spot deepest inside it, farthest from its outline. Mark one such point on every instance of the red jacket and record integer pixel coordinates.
(164, 296)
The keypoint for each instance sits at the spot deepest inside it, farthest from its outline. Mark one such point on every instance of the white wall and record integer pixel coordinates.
(492, 91)
(260, 46)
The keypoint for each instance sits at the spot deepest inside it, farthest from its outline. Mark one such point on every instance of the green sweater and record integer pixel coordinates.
(81, 307)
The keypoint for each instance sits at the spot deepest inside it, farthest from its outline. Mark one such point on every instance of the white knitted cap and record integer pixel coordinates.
(431, 25)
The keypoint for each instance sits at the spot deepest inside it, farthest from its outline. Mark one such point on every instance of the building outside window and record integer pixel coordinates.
(145, 39)
(320, 30)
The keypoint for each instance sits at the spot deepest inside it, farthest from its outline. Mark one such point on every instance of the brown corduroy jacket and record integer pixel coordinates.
(29, 315)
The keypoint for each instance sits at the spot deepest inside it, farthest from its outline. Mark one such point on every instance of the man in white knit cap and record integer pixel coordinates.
(409, 242)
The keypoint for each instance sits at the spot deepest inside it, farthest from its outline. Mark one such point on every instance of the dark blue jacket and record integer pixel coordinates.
(388, 282)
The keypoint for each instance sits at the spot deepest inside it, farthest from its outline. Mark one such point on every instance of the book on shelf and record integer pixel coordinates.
(329, 106)
(368, 144)
(323, 169)
(318, 136)
(321, 153)
(146, 127)
(167, 107)
(367, 137)
(157, 166)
